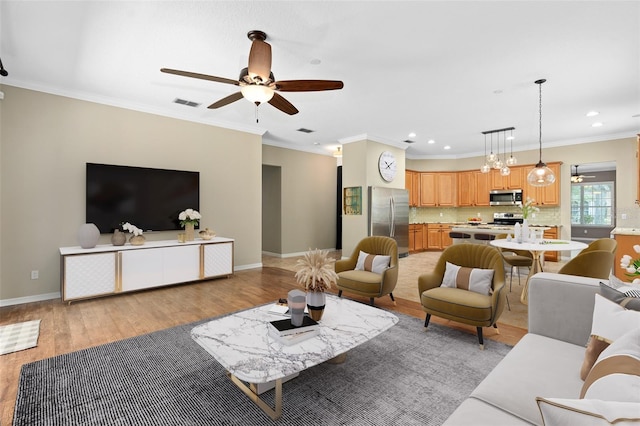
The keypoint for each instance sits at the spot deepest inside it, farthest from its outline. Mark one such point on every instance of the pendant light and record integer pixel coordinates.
(512, 161)
(504, 170)
(491, 158)
(485, 167)
(541, 175)
(498, 163)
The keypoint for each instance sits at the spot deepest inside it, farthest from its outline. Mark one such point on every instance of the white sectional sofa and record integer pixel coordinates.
(545, 363)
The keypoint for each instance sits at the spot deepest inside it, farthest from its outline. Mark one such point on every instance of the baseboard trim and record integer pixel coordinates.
(29, 299)
(249, 266)
(286, 255)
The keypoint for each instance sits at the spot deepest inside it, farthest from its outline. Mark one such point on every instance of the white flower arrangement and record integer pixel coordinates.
(528, 208)
(189, 216)
(632, 266)
(132, 228)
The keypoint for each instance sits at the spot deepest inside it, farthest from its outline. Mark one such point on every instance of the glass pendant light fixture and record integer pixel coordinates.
(491, 158)
(512, 161)
(485, 167)
(498, 163)
(541, 175)
(504, 170)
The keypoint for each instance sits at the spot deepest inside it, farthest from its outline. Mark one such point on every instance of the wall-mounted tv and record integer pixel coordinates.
(151, 199)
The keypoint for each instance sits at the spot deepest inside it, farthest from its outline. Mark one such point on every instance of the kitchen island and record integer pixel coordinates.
(490, 229)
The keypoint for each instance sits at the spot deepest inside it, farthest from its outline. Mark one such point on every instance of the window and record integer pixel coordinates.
(592, 203)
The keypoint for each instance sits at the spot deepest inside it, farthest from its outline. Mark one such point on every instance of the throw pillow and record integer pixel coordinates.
(610, 321)
(372, 262)
(630, 289)
(472, 279)
(623, 295)
(587, 412)
(616, 374)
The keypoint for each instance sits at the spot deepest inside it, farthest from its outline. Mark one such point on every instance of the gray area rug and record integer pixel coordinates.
(405, 376)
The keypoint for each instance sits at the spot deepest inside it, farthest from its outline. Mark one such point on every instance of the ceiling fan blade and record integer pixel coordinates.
(283, 105)
(308, 85)
(226, 101)
(260, 59)
(200, 76)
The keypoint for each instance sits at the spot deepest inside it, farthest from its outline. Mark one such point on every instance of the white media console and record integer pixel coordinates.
(108, 269)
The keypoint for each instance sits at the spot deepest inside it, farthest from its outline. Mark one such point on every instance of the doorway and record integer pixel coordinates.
(593, 201)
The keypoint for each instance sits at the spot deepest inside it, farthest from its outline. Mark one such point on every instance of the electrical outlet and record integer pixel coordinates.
(35, 274)
(624, 216)
(440, 214)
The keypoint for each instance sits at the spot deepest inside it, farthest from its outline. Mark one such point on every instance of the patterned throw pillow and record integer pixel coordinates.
(372, 262)
(472, 279)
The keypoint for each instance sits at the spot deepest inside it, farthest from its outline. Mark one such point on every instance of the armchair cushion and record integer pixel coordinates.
(372, 262)
(472, 279)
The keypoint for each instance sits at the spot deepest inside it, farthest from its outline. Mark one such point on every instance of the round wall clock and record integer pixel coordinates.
(387, 166)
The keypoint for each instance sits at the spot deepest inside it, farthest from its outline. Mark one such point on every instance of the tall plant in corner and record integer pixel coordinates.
(316, 274)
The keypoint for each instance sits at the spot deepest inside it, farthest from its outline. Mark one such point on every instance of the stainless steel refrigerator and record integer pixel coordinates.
(389, 215)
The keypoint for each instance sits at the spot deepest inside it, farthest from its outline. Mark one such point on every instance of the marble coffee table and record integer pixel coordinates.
(240, 342)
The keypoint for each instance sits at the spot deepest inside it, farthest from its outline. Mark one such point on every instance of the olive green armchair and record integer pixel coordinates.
(368, 283)
(458, 304)
(594, 264)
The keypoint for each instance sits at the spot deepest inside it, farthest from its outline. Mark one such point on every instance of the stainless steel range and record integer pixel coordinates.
(506, 219)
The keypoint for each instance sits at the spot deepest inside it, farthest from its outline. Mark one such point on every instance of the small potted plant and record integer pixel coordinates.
(316, 274)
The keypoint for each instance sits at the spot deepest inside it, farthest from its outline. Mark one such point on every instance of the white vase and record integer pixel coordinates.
(88, 235)
(525, 230)
(316, 301)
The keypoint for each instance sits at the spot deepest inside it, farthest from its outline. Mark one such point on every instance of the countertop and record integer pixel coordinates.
(626, 231)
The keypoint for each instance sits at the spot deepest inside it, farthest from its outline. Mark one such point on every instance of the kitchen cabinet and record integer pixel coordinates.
(481, 188)
(438, 189)
(438, 236)
(473, 188)
(544, 195)
(416, 237)
(551, 233)
(514, 180)
(412, 185)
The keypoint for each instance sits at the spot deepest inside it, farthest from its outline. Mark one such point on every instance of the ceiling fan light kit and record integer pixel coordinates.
(541, 175)
(257, 83)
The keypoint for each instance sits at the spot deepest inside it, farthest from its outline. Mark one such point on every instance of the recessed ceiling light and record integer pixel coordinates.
(597, 124)
(431, 141)
(447, 147)
(412, 135)
(592, 113)
(315, 61)
(497, 91)
(635, 116)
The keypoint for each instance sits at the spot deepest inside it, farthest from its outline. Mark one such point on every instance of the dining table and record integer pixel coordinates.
(537, 249)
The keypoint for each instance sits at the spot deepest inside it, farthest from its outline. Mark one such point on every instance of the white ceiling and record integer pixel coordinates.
(444, 70)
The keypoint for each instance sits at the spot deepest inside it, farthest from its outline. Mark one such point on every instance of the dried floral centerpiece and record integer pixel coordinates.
(316, 274)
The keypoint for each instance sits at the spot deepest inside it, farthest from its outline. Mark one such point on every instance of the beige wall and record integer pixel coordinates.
(46, 141)
(308, 196)
(360, 168)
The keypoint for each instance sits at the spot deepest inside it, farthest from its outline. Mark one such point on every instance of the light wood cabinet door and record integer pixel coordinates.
(428, 193)
(552, 234)
(446, 239)
(412, 185)
(481, 189)
(466, 187)
(419, 241)
(433, 238)
(446, 185)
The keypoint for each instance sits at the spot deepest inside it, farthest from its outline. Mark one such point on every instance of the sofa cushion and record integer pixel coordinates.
(367, 282)
(473, 412)
(587, 412)
(616, 374)
(610, 321)
(472, 279)
(536, 366)
(372, 262)
(458, 303)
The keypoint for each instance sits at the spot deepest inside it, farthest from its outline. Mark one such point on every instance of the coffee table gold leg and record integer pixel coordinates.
(271, 412)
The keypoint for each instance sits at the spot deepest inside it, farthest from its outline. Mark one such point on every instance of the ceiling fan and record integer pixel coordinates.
(576, 178)
(257, 83)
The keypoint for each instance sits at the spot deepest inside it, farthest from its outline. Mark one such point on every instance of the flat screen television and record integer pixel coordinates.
(150, 199)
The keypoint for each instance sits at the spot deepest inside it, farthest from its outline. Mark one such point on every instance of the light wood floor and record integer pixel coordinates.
(67, 328)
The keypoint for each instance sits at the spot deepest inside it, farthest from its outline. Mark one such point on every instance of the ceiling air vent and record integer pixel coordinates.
(408, 141)
(303, 130)
(185, 102)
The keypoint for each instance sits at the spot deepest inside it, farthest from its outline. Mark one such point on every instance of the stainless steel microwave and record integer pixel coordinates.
(505, 197)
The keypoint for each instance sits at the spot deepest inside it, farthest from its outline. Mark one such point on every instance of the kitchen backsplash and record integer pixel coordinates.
(546, 216)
